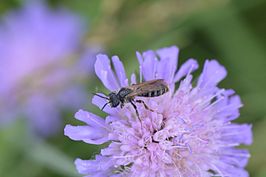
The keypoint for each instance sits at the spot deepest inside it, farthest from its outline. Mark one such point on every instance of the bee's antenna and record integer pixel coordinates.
(101, 96)
(104, 105)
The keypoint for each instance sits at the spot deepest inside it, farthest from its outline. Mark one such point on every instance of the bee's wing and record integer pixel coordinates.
(146, 87)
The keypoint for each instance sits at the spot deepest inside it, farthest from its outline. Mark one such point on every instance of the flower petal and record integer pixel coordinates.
(228, 108)
(149, 65)
(140, 59)
(104, 72)
(95, 132)
(90, 119)
(226, 169)
(235, 133)
(211, 75)
(120, 71)
(133, 79)
(101, 166)
(236, 157)
(168, 63)
(87, 134)
(112, 149)
(189, 66)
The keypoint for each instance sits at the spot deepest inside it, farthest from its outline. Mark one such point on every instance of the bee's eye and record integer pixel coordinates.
(115, 102)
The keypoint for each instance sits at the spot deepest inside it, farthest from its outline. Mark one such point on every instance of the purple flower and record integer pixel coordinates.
(189, 134)
(38, 74)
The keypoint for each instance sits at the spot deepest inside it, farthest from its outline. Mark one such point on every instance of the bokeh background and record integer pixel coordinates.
(47, 51)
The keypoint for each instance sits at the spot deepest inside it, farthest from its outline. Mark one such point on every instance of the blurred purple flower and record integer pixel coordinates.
(190, 134)
(38, 72)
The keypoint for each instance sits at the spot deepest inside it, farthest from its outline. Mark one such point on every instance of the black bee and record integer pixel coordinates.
(151, 88)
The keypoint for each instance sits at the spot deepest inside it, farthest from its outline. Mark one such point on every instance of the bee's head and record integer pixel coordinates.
(114, 99)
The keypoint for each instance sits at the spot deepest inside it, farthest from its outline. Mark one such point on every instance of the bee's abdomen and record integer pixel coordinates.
(154, 93)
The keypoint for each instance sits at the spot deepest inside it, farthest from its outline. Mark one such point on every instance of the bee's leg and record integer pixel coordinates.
(121, 105)
(135, 107)
(144, 104)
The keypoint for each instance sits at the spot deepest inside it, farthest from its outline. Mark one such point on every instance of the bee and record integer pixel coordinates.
(152, 88)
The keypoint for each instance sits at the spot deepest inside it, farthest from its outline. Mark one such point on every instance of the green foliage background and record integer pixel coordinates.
(231, 31)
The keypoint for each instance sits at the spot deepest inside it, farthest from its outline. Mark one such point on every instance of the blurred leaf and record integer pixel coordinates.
(12, 140)
(90, 10)
(254, 104)
(23, 155)
(50, 157)
(257, 150)
(238, 47)
(261, 173)
(5, 6)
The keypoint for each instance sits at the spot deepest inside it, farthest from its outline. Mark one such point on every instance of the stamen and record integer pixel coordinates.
(213, 96)
(212, 104)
